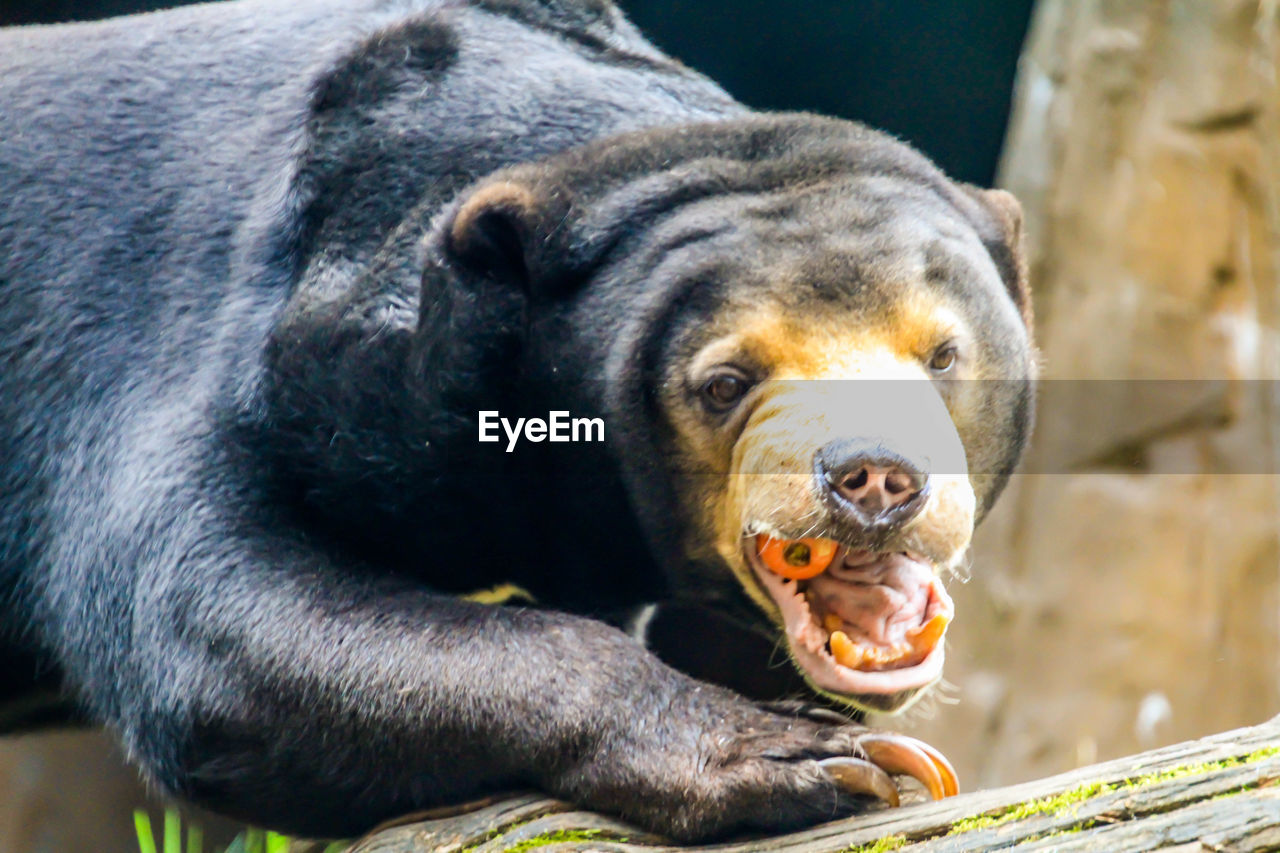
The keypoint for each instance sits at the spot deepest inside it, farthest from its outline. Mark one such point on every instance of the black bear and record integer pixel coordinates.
(301, 306)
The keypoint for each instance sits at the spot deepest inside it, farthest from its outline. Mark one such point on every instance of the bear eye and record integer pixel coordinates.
(944, 358)
(724, 389)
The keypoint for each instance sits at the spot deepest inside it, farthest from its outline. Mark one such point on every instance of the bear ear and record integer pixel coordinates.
(492, 230)
(1004, 243)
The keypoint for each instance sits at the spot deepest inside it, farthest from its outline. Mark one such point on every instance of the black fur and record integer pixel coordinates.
(242, 359)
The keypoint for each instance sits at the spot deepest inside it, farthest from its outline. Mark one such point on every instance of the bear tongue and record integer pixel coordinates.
(879, 602)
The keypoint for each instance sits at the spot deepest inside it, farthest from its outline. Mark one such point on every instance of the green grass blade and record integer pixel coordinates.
(142, 826)
(172, 831)
(237, 844)
(253, 841)
(195, 838)
(336, 847)
(277, 843)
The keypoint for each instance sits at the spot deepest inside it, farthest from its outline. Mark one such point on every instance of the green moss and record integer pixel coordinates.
(1070, 830)
(560, 836)
(1201, 768)
(495, 833)
(1061, 803)
(972, 824)
(883, 845)
(1234, 792)
(1045, 805)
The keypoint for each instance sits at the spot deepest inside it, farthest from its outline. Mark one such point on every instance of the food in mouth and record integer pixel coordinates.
(857, 621)
(798, 559)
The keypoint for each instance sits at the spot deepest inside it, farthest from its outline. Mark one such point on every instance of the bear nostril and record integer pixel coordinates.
(896, 482)
(855, 481)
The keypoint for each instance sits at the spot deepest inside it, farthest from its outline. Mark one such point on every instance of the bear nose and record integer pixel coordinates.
(875, 485)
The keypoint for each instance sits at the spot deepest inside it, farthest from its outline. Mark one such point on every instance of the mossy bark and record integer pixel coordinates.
(1222, 792)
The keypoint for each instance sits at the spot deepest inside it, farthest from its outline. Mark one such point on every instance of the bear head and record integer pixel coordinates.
(814, 355)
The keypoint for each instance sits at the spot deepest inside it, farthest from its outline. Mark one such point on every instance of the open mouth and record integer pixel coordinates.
(858, 623)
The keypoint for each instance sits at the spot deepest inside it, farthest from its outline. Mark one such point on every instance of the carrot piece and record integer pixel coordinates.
(797, 559)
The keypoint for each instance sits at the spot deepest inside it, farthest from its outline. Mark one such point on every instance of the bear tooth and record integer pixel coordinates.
(844, 650)
(925, 637)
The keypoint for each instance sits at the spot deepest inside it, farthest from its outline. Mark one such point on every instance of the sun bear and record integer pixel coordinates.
(269, 270)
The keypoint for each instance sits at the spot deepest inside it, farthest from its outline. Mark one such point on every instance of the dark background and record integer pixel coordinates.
(938, 73)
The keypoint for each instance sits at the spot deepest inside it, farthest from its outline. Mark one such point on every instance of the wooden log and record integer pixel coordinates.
(1217, 793)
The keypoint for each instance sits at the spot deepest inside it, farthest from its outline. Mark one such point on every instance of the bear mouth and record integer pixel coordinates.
(868, 624)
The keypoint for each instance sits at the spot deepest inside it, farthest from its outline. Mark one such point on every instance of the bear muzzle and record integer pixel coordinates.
(843, 520)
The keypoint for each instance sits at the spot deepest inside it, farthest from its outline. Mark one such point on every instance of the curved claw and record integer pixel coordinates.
(861, 777)
(950, 782)
(897, 754)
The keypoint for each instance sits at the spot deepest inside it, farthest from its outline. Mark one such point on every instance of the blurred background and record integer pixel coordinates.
(1126, 591)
